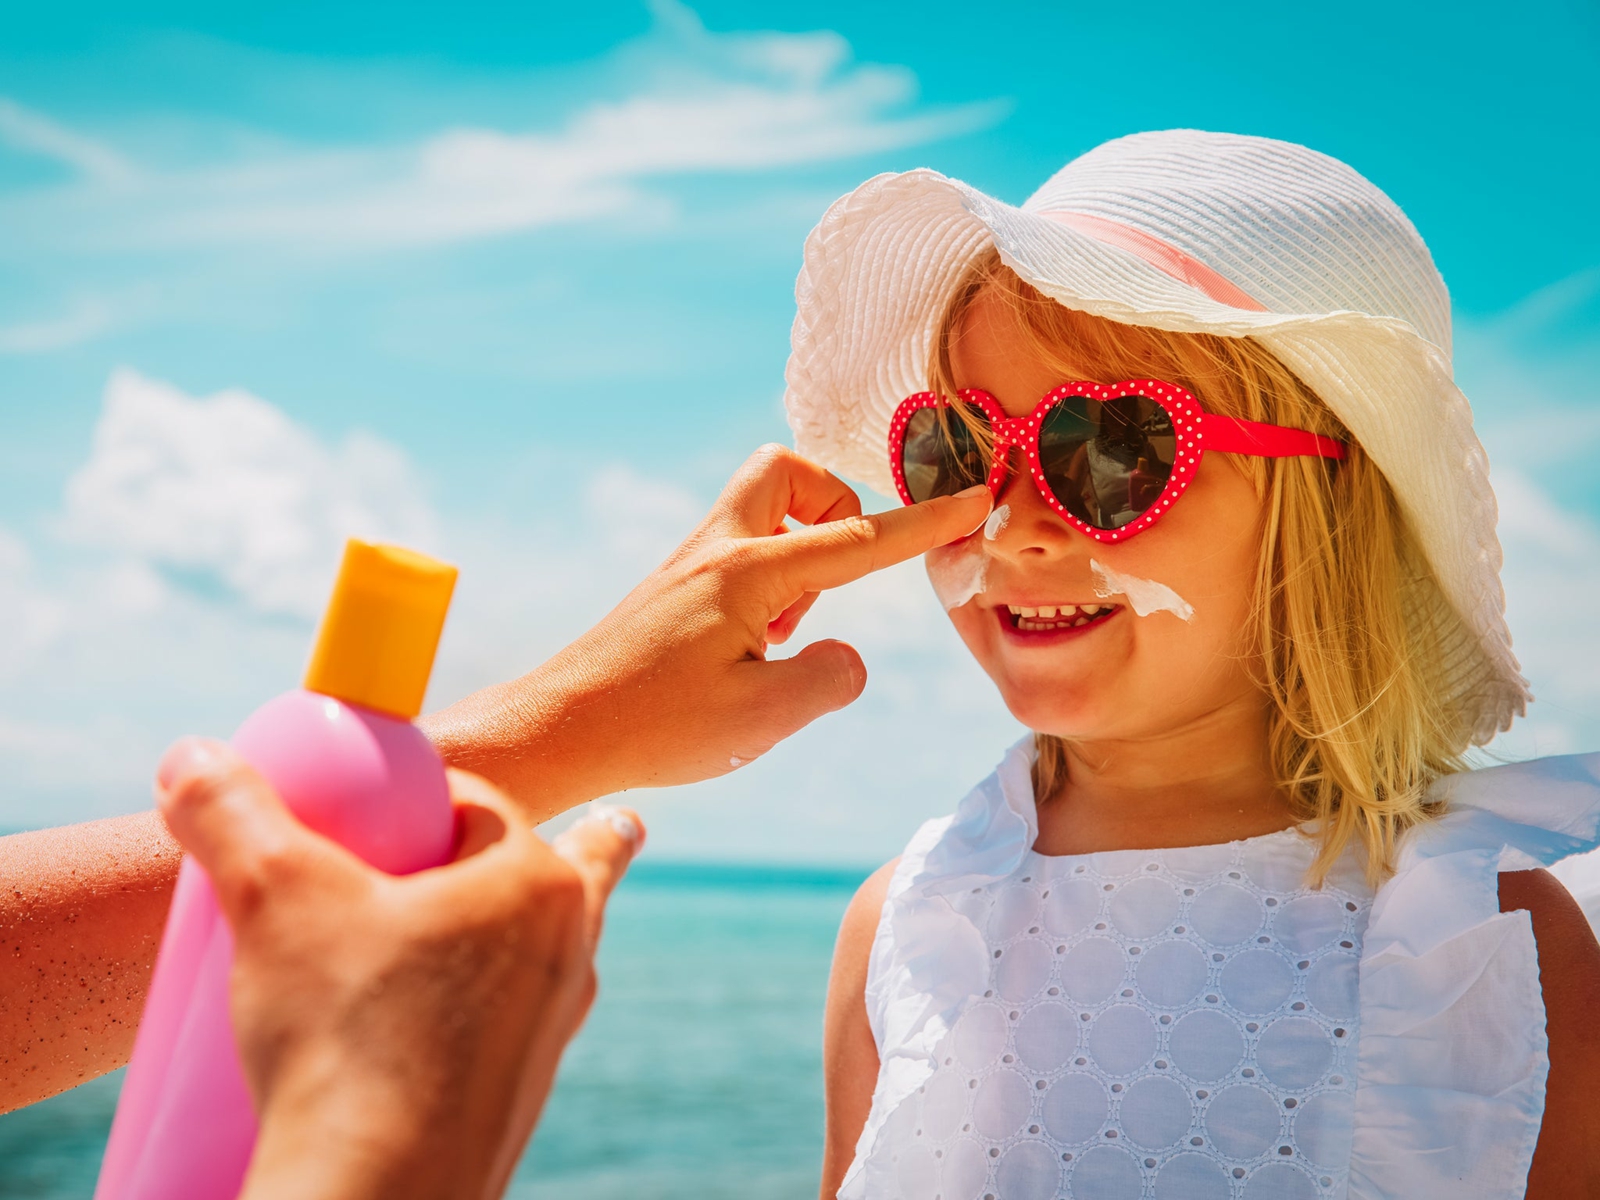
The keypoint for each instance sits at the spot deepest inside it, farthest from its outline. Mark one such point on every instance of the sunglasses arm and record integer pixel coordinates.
(1234, 435)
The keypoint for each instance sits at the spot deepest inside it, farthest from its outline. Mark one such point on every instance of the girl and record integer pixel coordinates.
(1233, 921)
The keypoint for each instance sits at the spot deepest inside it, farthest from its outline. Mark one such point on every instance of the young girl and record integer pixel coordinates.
(1233, 921)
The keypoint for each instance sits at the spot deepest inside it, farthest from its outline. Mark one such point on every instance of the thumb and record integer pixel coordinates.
(230, 820)
(600, 845)
(792, 692)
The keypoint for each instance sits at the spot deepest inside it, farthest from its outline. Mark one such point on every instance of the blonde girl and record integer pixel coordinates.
(1234, 921)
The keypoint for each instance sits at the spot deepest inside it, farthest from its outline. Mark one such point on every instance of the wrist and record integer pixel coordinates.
(332, 1136)
(544, 739)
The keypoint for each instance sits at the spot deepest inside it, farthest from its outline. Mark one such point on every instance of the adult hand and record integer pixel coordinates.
(675, 684)
(399, 1034)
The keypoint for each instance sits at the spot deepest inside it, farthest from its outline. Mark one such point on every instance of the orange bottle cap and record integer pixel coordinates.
(381, 628)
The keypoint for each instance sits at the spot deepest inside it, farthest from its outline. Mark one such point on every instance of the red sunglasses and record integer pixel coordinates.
(1110, 459)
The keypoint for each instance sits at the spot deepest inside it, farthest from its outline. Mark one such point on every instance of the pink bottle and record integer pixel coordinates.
(346, 759)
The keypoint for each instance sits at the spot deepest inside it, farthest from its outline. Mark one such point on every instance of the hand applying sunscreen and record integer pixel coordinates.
(346, 759)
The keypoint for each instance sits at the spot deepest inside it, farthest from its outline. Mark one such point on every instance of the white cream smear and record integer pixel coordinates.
(958, 571)
(997, 522)
(1144, 596)
(623, 824)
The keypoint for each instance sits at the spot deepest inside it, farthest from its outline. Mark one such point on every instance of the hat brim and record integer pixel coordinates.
(880, 268)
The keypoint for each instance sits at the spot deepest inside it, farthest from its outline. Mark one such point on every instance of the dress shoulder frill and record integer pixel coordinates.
(927, 961)
(1452, 1058)
(1452, 1061)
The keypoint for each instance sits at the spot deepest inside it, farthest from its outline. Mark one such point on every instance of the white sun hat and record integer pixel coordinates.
(1192, 232)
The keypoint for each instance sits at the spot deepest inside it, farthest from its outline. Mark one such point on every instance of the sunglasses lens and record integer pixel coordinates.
(942, 454)
(1107, 461)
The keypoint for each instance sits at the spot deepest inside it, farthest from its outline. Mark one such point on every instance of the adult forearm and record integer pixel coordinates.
(81, 912)
(538, 738)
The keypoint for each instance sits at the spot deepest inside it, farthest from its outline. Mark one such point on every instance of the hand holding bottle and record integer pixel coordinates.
(398, 1033)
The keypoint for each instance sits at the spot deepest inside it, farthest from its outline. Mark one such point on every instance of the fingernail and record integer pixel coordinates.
(976, 489)
(187, 756)
(622, 821)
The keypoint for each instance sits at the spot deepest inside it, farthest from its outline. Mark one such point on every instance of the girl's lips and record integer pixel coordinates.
(1009, 622)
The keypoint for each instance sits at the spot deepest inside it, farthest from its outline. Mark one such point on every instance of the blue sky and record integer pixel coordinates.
(514, 283)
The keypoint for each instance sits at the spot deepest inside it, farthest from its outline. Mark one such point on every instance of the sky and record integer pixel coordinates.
(513, 284)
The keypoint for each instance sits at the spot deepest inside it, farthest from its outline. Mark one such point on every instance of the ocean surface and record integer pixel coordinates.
(698, 1074)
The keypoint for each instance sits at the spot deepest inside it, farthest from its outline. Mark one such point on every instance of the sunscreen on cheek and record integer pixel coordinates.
(958, 571)
(345, 757)
(1144, 596)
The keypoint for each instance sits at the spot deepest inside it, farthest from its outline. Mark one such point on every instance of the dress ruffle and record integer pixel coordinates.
(927, 961)
(1453, 1057)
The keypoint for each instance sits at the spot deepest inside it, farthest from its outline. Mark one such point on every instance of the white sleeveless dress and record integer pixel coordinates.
(1197, 1024)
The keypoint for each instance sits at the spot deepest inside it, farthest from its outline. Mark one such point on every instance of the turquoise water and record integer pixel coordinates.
(698, 1074)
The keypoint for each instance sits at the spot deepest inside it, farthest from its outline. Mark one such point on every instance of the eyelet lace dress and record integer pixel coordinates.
(1197, 1024)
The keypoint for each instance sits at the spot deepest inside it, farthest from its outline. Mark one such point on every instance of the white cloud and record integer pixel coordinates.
(1552, 580)
(1531, 375)
(36, 133)
(100, 757)
(29, 616)
(86, 320)
(230, 487)
(683, 101)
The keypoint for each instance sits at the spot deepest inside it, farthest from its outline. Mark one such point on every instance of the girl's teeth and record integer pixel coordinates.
(1056, 616)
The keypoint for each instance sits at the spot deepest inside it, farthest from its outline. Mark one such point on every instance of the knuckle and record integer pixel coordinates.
(559, 891)
(247, 895)
(276, 862)
(726, 558)
(252, 880)
(772, 454)
(763, 462)
(861, 530)
(195, 793)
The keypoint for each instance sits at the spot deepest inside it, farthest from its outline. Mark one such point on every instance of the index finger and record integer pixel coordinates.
(841, 551)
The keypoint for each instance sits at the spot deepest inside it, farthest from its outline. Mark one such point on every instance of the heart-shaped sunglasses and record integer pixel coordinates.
(1109, 458)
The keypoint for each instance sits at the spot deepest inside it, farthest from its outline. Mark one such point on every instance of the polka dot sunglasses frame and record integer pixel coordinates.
(1165, 430)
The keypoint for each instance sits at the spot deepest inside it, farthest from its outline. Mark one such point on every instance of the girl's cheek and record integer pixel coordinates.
(958, 571)
(1144, 596)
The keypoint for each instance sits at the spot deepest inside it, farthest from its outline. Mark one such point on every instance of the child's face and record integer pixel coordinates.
(1122, 676)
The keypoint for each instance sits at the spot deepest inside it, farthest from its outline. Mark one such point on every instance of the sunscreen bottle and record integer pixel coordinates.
(343, 754)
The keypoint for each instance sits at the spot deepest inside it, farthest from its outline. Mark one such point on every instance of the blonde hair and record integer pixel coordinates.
(1355, 674)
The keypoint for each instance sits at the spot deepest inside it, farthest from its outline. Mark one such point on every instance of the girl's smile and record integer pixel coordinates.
(1051, 624)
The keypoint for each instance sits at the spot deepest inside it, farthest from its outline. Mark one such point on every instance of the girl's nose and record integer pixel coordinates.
(1032, 530)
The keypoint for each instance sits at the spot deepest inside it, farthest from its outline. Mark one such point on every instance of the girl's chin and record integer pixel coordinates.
(1066, 712)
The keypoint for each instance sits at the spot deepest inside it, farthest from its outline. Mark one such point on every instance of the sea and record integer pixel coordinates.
(697, 1074)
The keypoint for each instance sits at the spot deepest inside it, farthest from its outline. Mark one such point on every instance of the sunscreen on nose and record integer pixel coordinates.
(344, 756)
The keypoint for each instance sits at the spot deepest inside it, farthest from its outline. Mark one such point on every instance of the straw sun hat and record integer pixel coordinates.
(1191, 232)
